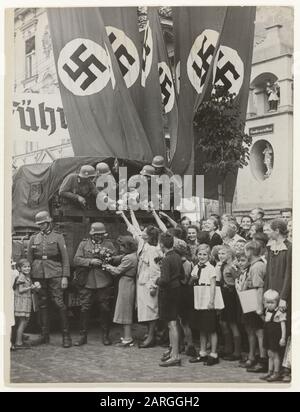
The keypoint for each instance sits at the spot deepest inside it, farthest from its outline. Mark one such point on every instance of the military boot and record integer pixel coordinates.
(105, 338)
(66, 338)
(83, 329)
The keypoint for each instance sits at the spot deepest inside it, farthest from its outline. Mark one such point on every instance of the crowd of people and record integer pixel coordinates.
(221, 288)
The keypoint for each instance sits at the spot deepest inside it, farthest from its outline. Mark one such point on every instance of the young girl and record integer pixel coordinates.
(229, 317)
(169, 283)
(204, 274)
(126, 291)
(23, 300)
(274, 334)
(187, 298)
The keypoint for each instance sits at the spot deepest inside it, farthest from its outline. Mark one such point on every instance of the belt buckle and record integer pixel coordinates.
(44, 257)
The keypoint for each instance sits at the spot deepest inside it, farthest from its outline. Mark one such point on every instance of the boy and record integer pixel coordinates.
(253, 321)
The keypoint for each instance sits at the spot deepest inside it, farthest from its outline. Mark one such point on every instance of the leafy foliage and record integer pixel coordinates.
(222, 142)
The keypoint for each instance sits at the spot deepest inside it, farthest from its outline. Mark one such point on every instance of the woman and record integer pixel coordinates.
(148, 272)
(211, 227)
(279, 267)
(256, 227)
(126, 271)
(245, 226)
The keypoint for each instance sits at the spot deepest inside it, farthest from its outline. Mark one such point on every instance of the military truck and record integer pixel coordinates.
(35, 188)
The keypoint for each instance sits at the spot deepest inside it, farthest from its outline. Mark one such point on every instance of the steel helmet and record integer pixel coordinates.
(103, 169)
(97, 228)
(87, 171)
(147, 170)
(158, 161)
(42, 217)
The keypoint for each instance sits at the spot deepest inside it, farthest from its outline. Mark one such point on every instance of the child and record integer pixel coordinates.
(126, 291)
(23, 300)
(169, 283)
(274, 334)
(204, 274)
(228, 273)
(254, 279)
(187, 298)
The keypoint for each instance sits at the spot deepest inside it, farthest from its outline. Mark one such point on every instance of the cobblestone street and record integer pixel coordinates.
(95, 363)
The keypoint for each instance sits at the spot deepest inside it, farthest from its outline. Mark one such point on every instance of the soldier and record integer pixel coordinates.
(102, 169)
(94, 283)
(79, 188)
(49, 260)
(158, 163)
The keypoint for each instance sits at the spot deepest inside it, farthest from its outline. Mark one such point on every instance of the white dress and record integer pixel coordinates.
(148, 272)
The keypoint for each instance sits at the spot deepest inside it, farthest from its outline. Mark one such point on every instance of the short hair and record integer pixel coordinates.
(271, 294)
(215, 222)
(254, 246)
(129, 244)
(167, 240)
(228, 249)
(22, 262)
(248, 217)
(261, 237)
(231, 218)
(285, 210)
(178, 232)
(181, 247)
(241, 254)
(185, 218)
(281, 225)
(194, 227)
(204, 246)
(260, 211)
(153, 234)
(215, 251)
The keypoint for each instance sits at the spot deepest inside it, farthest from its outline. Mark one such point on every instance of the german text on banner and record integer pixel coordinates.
(197, 31)
(101, 116)
(231, 70)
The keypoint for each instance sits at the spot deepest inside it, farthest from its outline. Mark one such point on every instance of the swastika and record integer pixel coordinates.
(222, 71)
(228, 70)
(200, 58)
(121, 51)
(84, 67)
(203, 70)
(126, 54)
(166, 86)
(147, 54)
(146, 50)
(163, 86)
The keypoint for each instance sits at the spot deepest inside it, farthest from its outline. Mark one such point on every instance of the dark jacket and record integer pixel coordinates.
(72, 187)
(48, 256)
(172, 271)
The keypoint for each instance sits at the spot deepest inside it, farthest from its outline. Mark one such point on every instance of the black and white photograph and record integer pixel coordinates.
(150, 224)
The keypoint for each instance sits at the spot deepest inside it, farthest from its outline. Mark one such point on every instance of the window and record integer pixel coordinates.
(30, 58)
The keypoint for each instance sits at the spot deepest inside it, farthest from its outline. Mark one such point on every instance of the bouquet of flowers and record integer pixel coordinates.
(105, 255)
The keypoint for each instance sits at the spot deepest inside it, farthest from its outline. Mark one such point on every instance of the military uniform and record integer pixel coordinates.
(49, 260)
(96, 284)
(73, 186)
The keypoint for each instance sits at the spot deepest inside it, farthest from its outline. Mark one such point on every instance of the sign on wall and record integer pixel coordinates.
(260, 130)
(39, 116)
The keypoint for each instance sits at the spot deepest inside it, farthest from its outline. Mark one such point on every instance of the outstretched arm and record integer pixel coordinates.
(159, 222)
(173, 223)
(135, 222)
(129, 225)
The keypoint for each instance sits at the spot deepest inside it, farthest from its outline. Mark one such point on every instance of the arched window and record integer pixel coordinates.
(264, 94)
